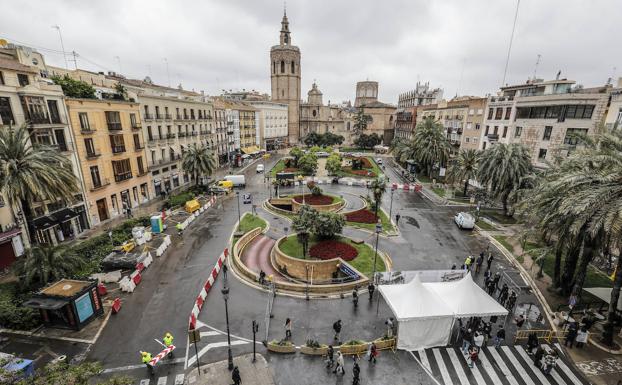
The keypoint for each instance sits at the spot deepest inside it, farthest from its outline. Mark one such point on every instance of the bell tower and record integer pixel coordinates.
(285, 78)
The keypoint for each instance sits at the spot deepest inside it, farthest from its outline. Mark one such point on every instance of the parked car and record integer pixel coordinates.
(465, 221)
(259, 168)
(217, 190)
(379, 160)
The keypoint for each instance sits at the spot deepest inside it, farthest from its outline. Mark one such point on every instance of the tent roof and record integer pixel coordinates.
(466, 298)
(414, 300)
(604, 293)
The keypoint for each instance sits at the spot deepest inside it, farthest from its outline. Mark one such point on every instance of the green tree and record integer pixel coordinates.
(198, 161)
(121, 91)
(327, 225)
(429, 145)
(31, 173)
(302, 225)
(502, 168)
(312, 139)
(360, 122)
(308, 163)
(296, 153)
(65, 374)
(315, 149)
(44, 264)
(367, 141)
(464, 167)
(74, 88)
(333, 164)
(378, 187)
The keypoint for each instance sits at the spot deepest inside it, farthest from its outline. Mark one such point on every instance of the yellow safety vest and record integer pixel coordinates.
(146, 358)
(168, 341)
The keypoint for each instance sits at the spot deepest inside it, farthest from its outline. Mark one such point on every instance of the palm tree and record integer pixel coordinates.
(501, 169)
(42, 265)
(198, 161)
(464, 167)
(429, 145)
(378, 188)
(31, 173)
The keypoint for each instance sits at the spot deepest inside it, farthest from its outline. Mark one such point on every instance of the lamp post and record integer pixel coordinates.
(391, 205)
(300, 178)
(378, 231)
(237, 194)
(225, 295)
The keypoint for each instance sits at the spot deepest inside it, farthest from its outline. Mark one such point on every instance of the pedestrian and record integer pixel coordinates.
(581, 338)
(262, 277)
(235, 376)
(489, 261)
(487, 329)
(397, 219)
(473, 354)
(496, 279)
(168, 341)
(520, 320)
(532, 343)
(225, 269)
(537, 358)
(571, 335)
(330, 356)
(478, 263)
(179, 228)
(500, 337)
(491, 287)
(288, 329)
(370, 289)
(467, 262)
(146, 358)
(356, 372)
(355, 298)
(390, 325)
(486, 279)
(511, 301)
(478, 340)
(550, 361)
(337, 329)
(503, 294)
(467, 335)
(372, 352)
(340, 364)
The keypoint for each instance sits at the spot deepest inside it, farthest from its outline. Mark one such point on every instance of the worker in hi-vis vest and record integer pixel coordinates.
(146, 357)
(168, 341)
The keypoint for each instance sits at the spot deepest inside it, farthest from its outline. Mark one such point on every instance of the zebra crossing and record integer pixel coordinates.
(509, 365)
(173, 379)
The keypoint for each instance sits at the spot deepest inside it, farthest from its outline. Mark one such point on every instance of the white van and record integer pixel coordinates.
(465, 221)
(259, 168)
(237, 180)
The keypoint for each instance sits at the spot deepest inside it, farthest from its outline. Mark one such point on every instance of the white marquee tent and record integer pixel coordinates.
(426, 311)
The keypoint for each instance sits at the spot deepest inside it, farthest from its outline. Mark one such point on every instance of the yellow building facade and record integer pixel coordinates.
(111, 150)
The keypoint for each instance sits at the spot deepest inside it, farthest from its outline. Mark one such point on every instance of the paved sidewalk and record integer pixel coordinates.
(258, 373)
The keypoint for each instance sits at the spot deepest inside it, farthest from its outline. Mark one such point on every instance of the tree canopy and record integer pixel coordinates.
(367, 141)
(74, 88)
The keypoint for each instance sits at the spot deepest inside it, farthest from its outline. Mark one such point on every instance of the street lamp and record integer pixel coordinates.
(225, 295)
(378, 231)
(391, 205)
(237, 194)
(300, 178)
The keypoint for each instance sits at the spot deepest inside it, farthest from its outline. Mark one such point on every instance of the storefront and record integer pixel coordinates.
(11, 247)
(68, 304)
(59, 226)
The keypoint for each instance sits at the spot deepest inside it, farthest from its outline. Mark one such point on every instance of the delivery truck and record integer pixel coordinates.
(237, 180)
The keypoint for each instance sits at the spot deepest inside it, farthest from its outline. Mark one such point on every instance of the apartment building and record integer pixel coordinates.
(272, 124)
(408, 102)
(28, 97)
(249, 128)
(111, 149)
(225, 139)
(544, 116)
(613, 121)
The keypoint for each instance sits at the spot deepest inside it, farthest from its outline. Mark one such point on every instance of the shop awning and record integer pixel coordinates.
(46, 303)
(250, 149)
(9, 234)
(64, 215)
(44, 222)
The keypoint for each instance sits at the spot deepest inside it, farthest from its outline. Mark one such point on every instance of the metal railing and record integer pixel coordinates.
(148, 116)
(102, 183)
(122, 177)
(542, 334)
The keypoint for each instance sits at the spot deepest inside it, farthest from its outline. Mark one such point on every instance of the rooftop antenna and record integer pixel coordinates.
(535, 70)
(507, 60)
(62, 45)
(75, 59)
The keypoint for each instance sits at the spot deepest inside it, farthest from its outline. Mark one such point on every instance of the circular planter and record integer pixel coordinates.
(383, 344)
(321, 351)
(276, 348)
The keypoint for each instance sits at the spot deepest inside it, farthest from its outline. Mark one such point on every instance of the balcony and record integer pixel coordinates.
(186, 117)
(37, 118)
(93, 154)
(148, 116)
(136, 126)
(164, 161)
(159, 116)
(123, 176)
(181, 134)
(493, 137)
(194, 133)
(139, 146)
(87, 130)
(168, 117)
(114, 126)
(100, 184)
(64, 147)
(204, 132)
(178, 117)
(117, 149)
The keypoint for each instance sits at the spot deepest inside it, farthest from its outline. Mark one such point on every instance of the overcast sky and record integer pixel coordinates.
(225, 44)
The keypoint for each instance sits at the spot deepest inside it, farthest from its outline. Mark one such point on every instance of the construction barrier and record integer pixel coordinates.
(116, 305)
(200, 300)
(544, 334)
(161, 355)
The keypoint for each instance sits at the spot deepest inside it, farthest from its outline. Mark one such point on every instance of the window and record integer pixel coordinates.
(90, 148)
(518, 131)
(477, 126)
(490, 112)
(542, 154)
(141, 168)
(117, 144)
(471, 112)
(484, 146)
(505, 131)
(499, 114)
(552, 112)
(293, 67)
(113, 119)
(22, 79)
(469, 125)
(487, 128)
(95, 177)
(522, 112)
(83, 117)
(53, 108)
(6, 114)
(466, 139)
(571, 135)
(508, 112)
(133, 120)
(137, 145)
(547, 133)
(122, 170)
(282, 66)
(35, 109)
(496, 131)
(1, 79)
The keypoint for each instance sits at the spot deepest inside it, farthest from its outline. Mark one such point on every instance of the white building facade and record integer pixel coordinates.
(272, 127)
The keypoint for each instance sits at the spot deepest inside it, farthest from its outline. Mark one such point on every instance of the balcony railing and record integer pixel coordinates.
(93, 154)
(87, 130)
(36, 118)
(159, 116)
(171, 136)
(148, 116)
(168, 116)
(118, 149)
(100, 184)
(178, 117)
(181, 134)
(64, 147)
(164, 161)
(493, 137)
(115, 126)
(136, 126)
(194, 133)
(123, 176)
(138, 146)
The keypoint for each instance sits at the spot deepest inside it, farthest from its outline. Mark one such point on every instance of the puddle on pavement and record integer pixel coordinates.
(531, 311)
(412, 221)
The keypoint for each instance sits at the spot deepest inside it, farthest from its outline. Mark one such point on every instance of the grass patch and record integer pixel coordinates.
(374, 168)
(502, 239)
(424, 179)
(278, 167)
(250, 221)
(180, 199)
(439, 191)
(485, 226)
(594, 277)
(498, 216)
(364, 262)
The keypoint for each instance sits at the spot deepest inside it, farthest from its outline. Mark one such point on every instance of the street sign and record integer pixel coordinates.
(194, 336)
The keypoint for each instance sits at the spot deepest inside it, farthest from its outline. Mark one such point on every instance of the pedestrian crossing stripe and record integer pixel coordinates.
(507, 365)
(164, 380)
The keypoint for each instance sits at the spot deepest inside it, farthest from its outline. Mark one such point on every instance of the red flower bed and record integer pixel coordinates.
(361, 216)
(368, 173)
(366, 163)
(315, 199)
(290, 169)
(333, 249)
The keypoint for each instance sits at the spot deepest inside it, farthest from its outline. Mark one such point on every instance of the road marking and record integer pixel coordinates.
(424, 359)
(131, 367)
(205, 349)
(535, 370)
(457, 366)
(179, 379)
(162, 381)
(208, 334)
(144, 382)
(519, 368)
(504, 369)
(488, 368)
(442, 367)
(568, 372)
(425, 369)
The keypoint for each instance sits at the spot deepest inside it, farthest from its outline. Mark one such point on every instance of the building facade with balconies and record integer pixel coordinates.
(272, 124)
(408, 102)
(111, 147)
(28, 97)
